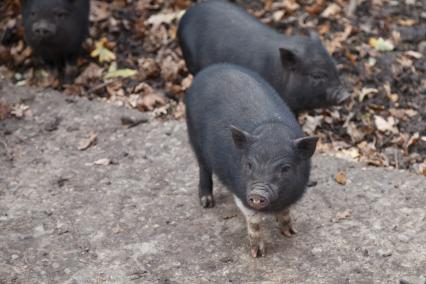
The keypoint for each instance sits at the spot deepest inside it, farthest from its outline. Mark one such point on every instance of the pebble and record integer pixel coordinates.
(404, 238)
(384, 252)
(316, 250)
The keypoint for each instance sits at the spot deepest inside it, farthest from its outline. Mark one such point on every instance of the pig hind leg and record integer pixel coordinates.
(205, 188)
(285, 223)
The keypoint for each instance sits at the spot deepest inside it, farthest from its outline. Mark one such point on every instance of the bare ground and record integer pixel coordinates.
(137, 220)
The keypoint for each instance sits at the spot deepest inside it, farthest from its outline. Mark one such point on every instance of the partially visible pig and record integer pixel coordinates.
(298, 67)
(55, 29)
(242, 131)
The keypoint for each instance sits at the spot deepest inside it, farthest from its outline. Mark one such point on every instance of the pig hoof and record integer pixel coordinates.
(343, 97)
(207, 201)
(257, 251)
(288, 231)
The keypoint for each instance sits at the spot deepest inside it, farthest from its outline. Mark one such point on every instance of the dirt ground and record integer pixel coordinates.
(133, 216)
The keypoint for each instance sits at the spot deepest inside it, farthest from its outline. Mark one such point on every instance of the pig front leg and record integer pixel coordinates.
(255, 234)
(205, 188)
(285, 224)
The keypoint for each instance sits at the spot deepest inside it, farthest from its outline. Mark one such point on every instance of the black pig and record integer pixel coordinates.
(298, 67)
(242, 131)
(55, 29)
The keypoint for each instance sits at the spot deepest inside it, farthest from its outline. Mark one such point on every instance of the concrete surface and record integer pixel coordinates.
(137, 220)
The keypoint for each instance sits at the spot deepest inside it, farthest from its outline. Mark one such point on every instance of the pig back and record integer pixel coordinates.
(216, 31)
(224, 95)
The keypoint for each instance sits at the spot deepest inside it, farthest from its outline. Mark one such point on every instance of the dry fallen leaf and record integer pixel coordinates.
(406, 22)
(411, 112)
(414, 54)
(19, 110)
(422, 168)
(148, 67)
(180, 111)
(342, 215)
(170, 68)
(341, 177)
(151, 101)
(186, 83)
(166, 18)
(113, 72)
(20, 53)
(290, 5)
(412, 141)
(311, 123)
(87, 142)
(278, 15)
(324, 28)
(315, 8)
(93, 71)
(385, 124)
(332, 10)
(366, 91)
(4, 111)
(351, 154)
(370, 155)
(381, 44)
(99, 11)
(229, 216)
(102, 52)
(355, 132)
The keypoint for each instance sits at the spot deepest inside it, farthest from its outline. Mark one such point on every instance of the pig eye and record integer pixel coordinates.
(317, 76)
(60, 15)
(249, 165)
(284, 169)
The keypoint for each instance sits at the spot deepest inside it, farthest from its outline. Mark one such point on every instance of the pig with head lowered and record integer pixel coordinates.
(55, 29)
(298, 67)
(242, 131)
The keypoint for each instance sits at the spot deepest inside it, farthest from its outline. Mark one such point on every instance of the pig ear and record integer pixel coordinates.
(240, 137)
(288, 58)
(305, 146)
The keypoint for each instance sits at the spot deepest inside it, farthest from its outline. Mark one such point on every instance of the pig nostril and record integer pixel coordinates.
(43, 32)
(257, 201)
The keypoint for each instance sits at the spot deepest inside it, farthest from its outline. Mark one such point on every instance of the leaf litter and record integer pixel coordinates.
(379, 47)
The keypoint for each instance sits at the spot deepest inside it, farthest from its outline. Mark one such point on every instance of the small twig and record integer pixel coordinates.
(5, 146)
(395, 153)
(351, 8)
(130, 122)
(8, 154)
(100, 86)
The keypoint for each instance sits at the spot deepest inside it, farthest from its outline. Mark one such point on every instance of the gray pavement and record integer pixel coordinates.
(64, 219)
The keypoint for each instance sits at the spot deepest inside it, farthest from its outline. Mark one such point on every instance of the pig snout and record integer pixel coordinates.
(43, 29)
(258, 200)
(337, 95)
(260, 197)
